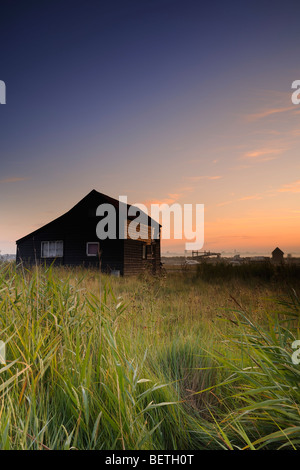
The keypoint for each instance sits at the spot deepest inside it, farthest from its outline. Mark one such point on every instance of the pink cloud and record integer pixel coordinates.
(199, 178)
(290, 187)
(12, 180)
(248, 198)
(269, 112)
(264, 154)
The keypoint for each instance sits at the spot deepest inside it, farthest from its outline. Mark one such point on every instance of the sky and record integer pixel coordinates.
(164, 101)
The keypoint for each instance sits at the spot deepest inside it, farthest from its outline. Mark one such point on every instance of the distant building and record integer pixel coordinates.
(277, 255)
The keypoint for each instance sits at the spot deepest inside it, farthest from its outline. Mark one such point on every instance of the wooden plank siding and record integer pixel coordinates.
(74, 248)
(145, 233)
(133, 257)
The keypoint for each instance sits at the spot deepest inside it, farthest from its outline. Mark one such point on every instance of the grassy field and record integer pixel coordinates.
(190, 360)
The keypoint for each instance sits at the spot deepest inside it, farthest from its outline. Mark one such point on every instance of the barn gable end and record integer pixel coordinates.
(71, 240)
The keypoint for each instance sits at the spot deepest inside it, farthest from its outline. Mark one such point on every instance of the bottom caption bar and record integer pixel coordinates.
(136, 460)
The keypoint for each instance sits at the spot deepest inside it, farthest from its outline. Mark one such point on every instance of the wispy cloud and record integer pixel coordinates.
(269, 112)
(12, 180)
(263, 154)
(245, 198)
(225, 203)
(295, 132)
(199, 178)
(293, 187)
(166, 200)
(248, 198)
(170, 198)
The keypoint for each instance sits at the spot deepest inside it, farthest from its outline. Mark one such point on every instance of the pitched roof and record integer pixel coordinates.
(94, 198)
(277, 251)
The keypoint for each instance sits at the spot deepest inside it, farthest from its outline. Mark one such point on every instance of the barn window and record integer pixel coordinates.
(53, 249)
(144, 253)
(149, 251)
(92, 248)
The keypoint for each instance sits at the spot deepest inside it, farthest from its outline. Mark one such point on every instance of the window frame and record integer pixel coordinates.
(43, 242)
(144, 251)
(87, 249)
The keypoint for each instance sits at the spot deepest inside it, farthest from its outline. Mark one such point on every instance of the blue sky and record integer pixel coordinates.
(162, 100)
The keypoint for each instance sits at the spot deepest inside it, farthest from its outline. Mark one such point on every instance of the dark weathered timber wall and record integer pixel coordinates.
(75, 237)
(133, 257)
(157, 255)
(75, 229)
(133, 253)
(75, 240)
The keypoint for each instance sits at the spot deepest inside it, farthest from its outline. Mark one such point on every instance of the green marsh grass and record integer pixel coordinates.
(155, 363)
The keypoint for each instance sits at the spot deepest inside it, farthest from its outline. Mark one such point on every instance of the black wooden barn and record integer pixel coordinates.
(71, 240)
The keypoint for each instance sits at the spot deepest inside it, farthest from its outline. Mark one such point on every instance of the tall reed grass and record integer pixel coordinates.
(95, 362)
